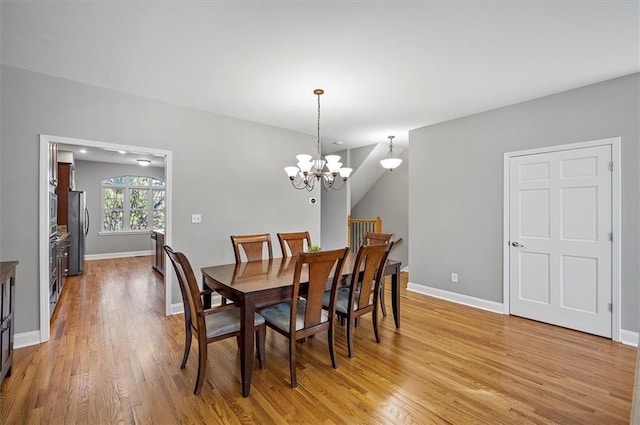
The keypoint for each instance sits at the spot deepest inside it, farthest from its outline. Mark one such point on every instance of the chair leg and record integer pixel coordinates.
(350, 325)
(375, 325)
(261, 336)
(332, 346)
(383, 305)
(187, 344)
(292, 361)
(202, 365)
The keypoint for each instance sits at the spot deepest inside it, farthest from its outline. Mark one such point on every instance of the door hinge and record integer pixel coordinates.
(611, 165)
(611, 236)
(610, 307)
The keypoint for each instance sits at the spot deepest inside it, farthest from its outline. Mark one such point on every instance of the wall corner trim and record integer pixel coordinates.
(629, 337)
(26, 339)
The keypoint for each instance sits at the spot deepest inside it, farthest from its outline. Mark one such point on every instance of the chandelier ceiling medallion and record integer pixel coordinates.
(310, 169)
(390, 162)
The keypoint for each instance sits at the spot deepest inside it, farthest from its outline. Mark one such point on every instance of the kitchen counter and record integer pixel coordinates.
(157, 237)
(62, 232)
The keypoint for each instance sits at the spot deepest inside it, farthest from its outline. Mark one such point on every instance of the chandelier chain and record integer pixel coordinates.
(319, 148)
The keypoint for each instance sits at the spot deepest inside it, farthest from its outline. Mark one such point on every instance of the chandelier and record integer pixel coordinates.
(390, 162)
(310, 169)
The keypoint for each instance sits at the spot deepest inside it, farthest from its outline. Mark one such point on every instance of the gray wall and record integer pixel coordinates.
(218, 170)
(456, 185)
(335, 210)
(89, 176)
(2, 179)
(388, 198)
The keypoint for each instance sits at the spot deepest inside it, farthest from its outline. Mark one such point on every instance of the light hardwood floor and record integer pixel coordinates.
(114, 357)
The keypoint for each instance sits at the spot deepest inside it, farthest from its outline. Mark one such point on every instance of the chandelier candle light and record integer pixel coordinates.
(390, 162)
(310, 169)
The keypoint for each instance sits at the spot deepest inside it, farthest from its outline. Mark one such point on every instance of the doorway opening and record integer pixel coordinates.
(44, 201)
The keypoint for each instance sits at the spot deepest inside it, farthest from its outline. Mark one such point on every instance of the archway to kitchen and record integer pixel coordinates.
(44, 231)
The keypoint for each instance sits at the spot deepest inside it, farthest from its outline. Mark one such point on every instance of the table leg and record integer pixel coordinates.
(247, 311)
(395, 295)
(206, 300)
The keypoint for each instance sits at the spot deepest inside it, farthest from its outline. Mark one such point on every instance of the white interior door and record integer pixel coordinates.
(560, 228)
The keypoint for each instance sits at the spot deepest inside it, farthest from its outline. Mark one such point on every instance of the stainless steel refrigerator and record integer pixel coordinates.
(78, 227)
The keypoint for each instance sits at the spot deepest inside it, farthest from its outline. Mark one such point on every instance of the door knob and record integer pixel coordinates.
(517, 244)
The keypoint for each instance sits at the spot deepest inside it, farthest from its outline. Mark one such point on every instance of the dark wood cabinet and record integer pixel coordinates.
(7, 305)
(58, 269)
(63, 262)
(65, 184)
(158, 258)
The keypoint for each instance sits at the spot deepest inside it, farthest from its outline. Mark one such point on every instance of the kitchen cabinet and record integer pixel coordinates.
(65, 184)
(53, 274)
(63, 261)
(157, 237)
(7, 305)
(58, 269)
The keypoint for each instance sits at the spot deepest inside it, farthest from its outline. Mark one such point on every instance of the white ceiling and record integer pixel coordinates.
(387, 66)
(116, 156)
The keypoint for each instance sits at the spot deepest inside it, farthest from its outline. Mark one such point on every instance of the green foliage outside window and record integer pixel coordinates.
(144, 198)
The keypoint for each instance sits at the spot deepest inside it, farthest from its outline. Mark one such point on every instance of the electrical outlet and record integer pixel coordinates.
(196, 218)
(454, 277)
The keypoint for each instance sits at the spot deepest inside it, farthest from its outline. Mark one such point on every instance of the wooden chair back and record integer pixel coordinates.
(365, 285)
(377, 238)
(252, 245)
(293, 243)
(319, 266)
(193, 309)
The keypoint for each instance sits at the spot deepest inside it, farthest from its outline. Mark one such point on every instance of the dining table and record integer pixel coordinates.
(252, 285)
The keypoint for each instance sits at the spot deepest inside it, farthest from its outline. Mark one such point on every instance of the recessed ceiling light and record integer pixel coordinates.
(122, 152)
(143, 162)
(337, 143)
(82, 151)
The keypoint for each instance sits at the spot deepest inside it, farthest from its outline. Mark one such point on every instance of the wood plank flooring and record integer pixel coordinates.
(114, 358)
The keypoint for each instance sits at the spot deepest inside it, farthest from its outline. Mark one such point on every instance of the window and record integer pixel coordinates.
(132, 203)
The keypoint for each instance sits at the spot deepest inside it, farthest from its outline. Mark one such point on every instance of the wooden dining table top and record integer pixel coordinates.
(268, 274)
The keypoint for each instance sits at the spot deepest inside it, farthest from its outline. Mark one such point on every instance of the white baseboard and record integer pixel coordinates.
(118, 255)
(26, 339)
(178, 308)
(629, 337)
(492, 306)
(626, 337)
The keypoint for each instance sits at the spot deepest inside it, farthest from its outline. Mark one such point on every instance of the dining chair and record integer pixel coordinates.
(373, 238)
(293, 243)
(361, 295)
(300, 317)
(252, 246)
(208, 325)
